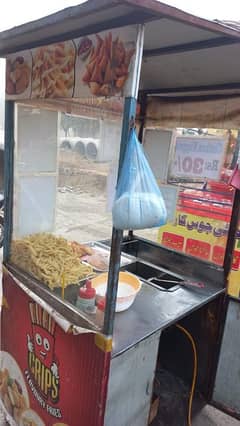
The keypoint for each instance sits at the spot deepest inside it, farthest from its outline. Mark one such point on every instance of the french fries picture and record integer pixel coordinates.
(53, 70)
(107, 65)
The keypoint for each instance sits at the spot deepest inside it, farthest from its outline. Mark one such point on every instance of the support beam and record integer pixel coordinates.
(117, 234)
(188, 47)
(143, 108)
(197, 98)
(207, 88)
(233, 226)
(8, 176)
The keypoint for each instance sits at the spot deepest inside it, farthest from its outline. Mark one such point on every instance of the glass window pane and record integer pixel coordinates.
(35, 211)
(64, 181)
(37, 132)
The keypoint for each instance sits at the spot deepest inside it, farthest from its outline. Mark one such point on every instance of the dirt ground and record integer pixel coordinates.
(82, 200)
(82, 216)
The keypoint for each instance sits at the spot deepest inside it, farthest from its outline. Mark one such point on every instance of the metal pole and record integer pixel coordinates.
(115, 255)
(233, 226)
(8, 176)
(236, 152)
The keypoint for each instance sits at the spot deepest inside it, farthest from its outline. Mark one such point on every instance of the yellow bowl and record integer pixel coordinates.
(128, 287)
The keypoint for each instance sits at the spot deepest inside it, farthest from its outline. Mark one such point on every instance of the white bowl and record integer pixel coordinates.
(128, 287)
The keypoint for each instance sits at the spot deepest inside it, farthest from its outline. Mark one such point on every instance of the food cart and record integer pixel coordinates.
(65, 362)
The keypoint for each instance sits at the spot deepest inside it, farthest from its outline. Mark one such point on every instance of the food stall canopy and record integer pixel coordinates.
(181, 51)
(189, 112)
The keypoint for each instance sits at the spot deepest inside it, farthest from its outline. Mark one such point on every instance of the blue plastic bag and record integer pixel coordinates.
(138, 201)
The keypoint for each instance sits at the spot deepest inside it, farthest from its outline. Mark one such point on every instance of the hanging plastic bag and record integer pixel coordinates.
(138, 201)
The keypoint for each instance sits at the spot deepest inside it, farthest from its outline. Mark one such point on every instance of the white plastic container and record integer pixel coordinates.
(128, 287)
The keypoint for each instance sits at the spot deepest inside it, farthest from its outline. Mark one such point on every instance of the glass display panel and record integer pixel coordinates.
(36, 205)
(64, 181)
(37, 131)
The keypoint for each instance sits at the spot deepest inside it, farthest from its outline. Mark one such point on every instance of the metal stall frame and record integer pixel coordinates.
(129, 114)
(233, 226)
(8, 176)
(94, 16)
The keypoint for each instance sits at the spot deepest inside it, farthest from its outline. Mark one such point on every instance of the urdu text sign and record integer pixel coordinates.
(198, 157)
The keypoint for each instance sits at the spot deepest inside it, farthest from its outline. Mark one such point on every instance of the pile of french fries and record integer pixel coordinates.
(107, 67)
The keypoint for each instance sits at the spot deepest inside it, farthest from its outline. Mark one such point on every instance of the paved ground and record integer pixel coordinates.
(209, 416)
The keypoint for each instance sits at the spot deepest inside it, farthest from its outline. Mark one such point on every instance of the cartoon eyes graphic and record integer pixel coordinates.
(46, 344)
(38, 339)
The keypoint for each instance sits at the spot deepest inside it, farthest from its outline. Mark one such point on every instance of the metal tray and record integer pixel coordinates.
(105, 251)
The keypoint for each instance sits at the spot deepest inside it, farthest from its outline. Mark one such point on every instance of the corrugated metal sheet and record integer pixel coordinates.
(195, 51)
(167, 32)
(219, 65)
(92, 15)
(235, 25)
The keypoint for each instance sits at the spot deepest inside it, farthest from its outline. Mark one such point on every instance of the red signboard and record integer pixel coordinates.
(198, 248)
(173, 241)
(48, 377)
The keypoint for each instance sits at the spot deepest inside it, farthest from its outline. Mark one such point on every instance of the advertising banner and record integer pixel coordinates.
(47, 377)
(197, 236)
(204, 238)
(97, 65)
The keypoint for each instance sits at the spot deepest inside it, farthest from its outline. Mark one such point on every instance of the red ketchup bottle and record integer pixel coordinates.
(100, 311)
(86, 297)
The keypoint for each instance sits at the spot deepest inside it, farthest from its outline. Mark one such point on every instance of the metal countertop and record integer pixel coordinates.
(154, 310)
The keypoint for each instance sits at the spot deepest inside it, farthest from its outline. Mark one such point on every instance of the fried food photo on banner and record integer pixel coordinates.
(11, 393)
(107, 64)
(31, 418)
(53, 70)
(18, 74)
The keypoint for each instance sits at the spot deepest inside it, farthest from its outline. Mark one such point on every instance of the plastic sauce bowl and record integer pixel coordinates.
(128, 287)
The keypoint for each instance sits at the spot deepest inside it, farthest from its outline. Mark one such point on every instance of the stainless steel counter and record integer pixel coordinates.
(154, 310)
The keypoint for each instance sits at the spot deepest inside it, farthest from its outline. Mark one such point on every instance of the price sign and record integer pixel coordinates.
(198, 157)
